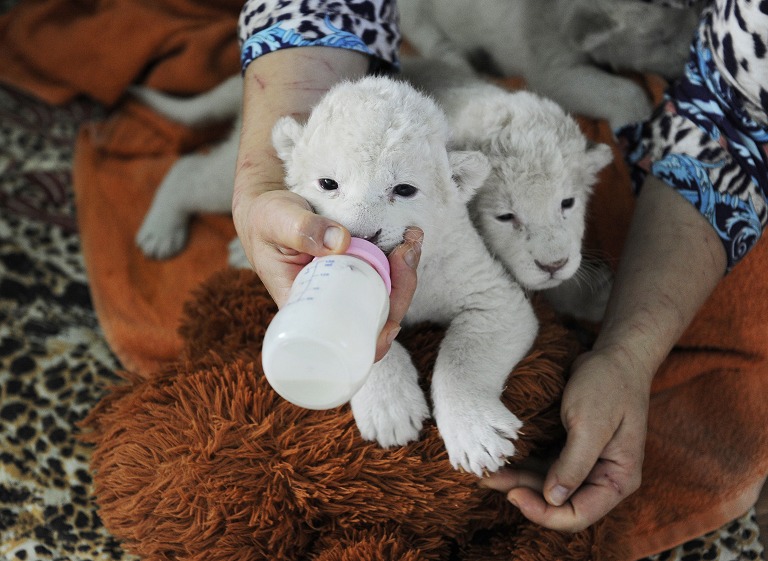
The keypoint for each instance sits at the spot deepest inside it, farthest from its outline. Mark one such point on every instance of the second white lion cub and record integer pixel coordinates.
(373, 157)
(531, 210)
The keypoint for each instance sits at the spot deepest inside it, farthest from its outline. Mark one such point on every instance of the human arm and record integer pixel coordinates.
(707, 142)
(671, 262)
(277, 228)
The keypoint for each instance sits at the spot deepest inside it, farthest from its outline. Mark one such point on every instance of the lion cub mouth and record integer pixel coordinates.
(373, 238)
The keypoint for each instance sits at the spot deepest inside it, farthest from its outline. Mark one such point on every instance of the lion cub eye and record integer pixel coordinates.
(404, 190)
(509, 217)
(327, 184)
(567, 203)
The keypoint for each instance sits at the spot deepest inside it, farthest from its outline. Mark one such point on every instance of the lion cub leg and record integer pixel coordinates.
(476, 356)
(199, 182)
(391, 407)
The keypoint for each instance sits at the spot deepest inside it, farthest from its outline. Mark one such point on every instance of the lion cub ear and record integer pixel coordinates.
(598, 156)
(285, 135)
(469, 169)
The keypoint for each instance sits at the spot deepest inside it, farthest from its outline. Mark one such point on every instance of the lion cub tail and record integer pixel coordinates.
(218, 105)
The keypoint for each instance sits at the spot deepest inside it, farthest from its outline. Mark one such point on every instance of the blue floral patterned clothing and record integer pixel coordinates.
(708, 139)
(368, 26)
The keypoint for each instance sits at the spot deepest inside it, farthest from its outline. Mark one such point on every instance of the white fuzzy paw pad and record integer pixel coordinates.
(161, 239)
(392, 421)
(478, 439)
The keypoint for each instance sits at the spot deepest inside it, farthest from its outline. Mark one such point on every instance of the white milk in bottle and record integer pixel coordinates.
(320, 346)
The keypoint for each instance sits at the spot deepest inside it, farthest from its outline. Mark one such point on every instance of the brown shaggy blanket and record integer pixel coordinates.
(202, 460)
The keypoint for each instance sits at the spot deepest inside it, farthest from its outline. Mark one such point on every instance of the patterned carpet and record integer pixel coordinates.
(54, 363)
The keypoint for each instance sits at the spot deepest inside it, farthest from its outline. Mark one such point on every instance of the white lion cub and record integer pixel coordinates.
(531, 210)
(561, 47)
(199, 181)
(373, 157)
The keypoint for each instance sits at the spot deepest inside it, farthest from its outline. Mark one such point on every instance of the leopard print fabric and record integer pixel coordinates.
(368, 26)
(54, 362)
(708, 139)
(737, 541)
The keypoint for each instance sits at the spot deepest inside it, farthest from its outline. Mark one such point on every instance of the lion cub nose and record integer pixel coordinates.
(552, 267)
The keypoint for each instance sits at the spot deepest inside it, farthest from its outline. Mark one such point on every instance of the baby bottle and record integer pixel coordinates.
(319, 348)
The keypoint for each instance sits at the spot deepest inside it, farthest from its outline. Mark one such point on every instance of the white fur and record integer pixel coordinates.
(197, 182)
(536, 152)
(369, 137)
(217, 105)
(531, 210)
(559, 46)
(555, 44)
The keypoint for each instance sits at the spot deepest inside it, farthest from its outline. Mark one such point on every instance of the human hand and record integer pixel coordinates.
(605, 412)
(285, 235)
(281, 234)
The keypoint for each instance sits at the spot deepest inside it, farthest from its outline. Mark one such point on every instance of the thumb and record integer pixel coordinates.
(286, 221)
(582, 450)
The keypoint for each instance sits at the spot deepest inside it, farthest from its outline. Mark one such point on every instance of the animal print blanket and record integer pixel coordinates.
(54, 362)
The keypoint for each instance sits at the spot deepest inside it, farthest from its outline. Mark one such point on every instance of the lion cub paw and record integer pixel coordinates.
(162, 236)
(390, 420)
(478, 439)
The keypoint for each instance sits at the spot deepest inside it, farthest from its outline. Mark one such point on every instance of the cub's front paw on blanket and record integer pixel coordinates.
(389, 415)
(478, 434)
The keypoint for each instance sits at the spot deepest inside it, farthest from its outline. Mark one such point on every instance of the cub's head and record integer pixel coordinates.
(372, 156)
(531, 209)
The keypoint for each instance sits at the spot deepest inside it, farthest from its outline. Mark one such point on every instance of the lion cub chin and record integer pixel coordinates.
(373, 156)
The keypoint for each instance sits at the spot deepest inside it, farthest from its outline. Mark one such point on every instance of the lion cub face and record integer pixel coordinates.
(531, 210)
(372, 156)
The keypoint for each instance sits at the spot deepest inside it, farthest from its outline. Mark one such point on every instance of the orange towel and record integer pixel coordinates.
(707, 445)
(59, 49)
(707, 452)
(118, 164)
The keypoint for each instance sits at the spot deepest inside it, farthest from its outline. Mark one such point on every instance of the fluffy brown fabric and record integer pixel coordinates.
(204, 461)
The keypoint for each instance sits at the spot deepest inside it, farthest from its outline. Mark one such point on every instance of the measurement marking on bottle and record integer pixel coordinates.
(308, 280)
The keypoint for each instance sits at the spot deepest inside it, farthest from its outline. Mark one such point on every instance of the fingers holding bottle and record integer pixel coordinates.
(403, 262)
